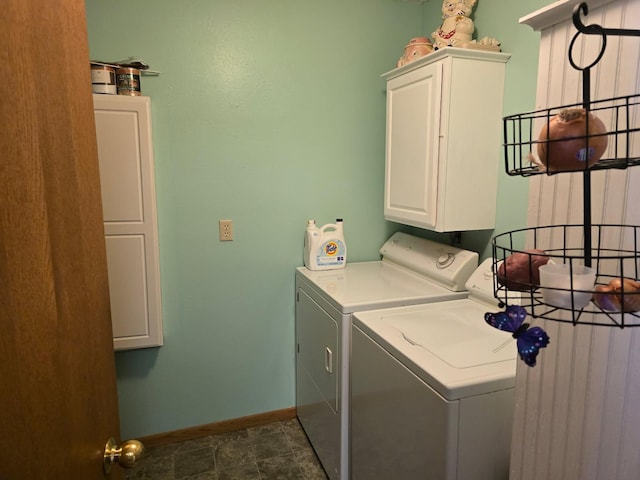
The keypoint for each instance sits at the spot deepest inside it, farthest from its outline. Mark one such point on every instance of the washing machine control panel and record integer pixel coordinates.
(445, 260)
(445, 264)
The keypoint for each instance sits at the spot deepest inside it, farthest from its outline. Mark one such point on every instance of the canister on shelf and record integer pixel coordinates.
(103, 79)
(128, 81)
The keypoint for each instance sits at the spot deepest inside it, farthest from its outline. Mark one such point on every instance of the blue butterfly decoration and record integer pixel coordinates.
(528, 340)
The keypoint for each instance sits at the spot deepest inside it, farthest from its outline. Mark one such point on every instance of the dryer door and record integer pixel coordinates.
(317, 380)
(317, 335)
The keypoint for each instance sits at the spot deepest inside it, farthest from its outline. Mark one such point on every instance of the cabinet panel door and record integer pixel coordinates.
(120, 165)
(125, 155)
(413, 124)
(127, 285)
(443, 140)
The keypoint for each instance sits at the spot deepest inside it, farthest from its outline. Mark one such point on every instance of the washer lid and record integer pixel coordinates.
(460, 342)
(447, 344)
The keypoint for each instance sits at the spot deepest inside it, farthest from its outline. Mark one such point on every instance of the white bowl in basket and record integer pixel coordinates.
(557, 287)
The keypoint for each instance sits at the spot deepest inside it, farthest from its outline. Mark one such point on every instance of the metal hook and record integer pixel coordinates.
(597, 29)
(592, 29)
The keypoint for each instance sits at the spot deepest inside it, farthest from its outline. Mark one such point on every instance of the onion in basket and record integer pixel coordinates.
(563, 141)
(610, 297)
(519, 271)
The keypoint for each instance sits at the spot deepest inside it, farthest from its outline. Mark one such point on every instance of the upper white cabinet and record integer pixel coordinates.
(443, 140)
(125, 154)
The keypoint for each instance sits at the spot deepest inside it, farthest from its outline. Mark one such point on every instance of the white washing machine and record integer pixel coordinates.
(432, 390)
(412, 271)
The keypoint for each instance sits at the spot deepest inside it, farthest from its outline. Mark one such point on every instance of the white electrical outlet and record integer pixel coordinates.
(226, 230)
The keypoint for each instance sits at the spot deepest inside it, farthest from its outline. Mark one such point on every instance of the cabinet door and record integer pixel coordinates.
(443, 140)
(125, 154)
(413, 123)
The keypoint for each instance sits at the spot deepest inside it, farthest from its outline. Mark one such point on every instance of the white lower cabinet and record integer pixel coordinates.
(443, 140)
(125, 154)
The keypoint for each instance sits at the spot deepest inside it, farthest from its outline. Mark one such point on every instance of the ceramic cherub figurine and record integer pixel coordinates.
(457, 28)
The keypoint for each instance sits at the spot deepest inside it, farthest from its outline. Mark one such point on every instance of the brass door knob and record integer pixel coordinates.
(125, 455)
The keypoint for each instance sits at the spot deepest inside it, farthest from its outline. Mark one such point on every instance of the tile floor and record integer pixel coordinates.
(278, 451)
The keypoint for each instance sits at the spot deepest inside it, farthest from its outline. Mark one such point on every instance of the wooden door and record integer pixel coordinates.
(58, 403)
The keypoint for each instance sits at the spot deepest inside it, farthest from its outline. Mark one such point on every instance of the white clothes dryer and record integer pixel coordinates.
(412, 271)
(432, 390)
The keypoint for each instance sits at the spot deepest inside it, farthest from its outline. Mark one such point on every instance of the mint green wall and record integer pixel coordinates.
(267, 113)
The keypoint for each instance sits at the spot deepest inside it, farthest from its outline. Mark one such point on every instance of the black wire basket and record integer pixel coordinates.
(612, 257)
(607, 254)
(527, 146)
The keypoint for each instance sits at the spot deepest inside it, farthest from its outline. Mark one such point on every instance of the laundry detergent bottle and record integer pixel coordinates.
(324, 247)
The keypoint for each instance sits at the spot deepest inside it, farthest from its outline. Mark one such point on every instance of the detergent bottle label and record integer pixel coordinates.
(331, 253)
